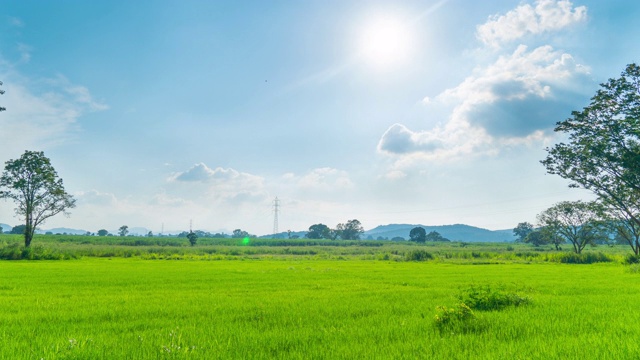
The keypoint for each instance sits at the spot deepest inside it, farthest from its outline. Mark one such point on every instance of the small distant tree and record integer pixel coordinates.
(150, 234)
(435, 236)
(239, 234)
(0, 229)
(318, 231)
(397, 238)
(522, 231)
(193, 238)
(418, 234)
(123, 230)
(575, 221)
(351, 230)
(18, 230)
(33, 183)
(103, 232)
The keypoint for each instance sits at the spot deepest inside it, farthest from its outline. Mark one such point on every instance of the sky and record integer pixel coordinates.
(159, 114)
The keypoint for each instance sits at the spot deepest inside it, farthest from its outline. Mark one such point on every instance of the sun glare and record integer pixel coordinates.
(385, 42)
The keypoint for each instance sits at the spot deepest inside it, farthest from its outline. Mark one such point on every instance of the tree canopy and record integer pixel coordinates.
(319, 231)
(523, 230)
(418, 234)
(351, 230)
(33, 183)
(123, 230)
(603, 151)
(574, 221)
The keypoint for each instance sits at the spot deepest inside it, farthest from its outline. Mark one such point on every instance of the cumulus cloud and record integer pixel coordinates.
(545, 16)
(520, 93)
(220, 183)
(516, 99)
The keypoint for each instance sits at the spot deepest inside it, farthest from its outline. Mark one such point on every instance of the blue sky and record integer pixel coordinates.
(432, 112)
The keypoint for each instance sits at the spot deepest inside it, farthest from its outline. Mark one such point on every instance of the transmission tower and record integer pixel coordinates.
(276, 205)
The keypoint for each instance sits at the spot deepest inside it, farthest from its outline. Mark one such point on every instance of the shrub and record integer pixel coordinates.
(584, 258)
(456, 319)
(418, 255)
(488, 298)
(632, 259)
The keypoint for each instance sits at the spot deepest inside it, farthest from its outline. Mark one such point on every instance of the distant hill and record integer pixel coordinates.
(6, 228)
(63, 231)
(457, 232)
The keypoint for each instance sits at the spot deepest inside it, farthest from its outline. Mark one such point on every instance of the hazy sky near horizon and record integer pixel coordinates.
(431, 112)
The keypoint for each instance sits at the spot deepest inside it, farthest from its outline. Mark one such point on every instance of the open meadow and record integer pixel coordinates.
(273, 299)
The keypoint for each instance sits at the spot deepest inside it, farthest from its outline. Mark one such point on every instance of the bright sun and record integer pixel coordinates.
(385, 42)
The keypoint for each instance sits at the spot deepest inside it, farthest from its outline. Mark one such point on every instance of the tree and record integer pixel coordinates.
(536, 238)
(123, 230)
(603, 152)
(193, 238)
(1, 93)
(239, 234)
(103, 232)
(522, 231)
(0, 229)
(435, 236)
(575, 221)
(623, 226)
(418, 234)
(318, 231)
(150, 234)
(351, 230)
(18, 230)
(33, 183)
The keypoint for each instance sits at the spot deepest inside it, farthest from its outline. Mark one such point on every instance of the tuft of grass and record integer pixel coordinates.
(488, 298)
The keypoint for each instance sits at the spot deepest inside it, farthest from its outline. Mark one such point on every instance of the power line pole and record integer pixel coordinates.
(276, 205)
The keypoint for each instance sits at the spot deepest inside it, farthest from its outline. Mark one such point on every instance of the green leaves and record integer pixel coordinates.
(603, 152)
(33, 183)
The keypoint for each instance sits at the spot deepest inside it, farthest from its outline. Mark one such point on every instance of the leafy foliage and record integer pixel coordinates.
(603, 152)
(193, 238)
(350, 231)
(123, 230)
(418, 234)
(319, 231)
(523, 230)
(32, 182)
(418, 255)
(574, 221)
(456, 319)
(486, 298)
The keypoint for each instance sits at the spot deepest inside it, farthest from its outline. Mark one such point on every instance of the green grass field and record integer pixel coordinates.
(339, 303)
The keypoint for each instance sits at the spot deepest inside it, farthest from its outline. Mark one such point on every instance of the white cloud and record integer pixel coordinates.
(40, 112)
(517, 99)
(545, 16)
(94, 197)
(321, 179)
(222, 184)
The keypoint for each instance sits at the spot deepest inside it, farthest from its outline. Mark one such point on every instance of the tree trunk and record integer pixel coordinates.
(27, 239)
(28, 234)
